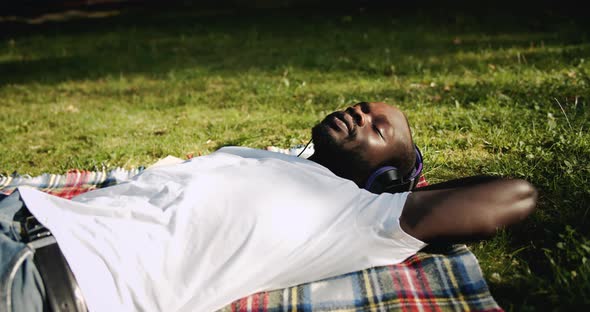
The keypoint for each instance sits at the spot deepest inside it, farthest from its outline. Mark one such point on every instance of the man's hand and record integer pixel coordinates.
(466, 209)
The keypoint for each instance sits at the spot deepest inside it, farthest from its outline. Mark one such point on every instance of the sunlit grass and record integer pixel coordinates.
(482, 97)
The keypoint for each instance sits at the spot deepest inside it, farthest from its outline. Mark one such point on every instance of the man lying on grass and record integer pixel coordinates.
(198, 235)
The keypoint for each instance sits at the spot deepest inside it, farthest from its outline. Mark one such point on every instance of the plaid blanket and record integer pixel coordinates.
(443, 278)
(68, 185)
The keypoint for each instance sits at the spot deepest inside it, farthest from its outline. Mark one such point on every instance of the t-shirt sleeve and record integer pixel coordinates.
(378, 223)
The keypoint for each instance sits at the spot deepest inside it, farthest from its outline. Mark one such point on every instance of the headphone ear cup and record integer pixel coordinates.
(387, 179)
(382, 179)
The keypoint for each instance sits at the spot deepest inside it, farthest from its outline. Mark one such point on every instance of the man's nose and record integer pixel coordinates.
(359, 117)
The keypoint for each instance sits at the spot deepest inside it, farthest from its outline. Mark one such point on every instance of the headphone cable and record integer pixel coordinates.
(306, 145)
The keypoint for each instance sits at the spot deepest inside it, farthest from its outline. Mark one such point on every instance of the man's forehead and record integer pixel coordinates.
(391, 111)
(384, 106)
(393, 114)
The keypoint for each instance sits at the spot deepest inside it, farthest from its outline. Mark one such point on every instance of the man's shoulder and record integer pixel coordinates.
(247, 152)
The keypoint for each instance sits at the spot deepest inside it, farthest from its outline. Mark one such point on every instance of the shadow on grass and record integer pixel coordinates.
(229, 43)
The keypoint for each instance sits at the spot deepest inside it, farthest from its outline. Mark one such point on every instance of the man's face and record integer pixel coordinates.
(363, 136)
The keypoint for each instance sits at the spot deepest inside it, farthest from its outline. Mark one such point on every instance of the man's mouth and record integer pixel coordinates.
(340, 122)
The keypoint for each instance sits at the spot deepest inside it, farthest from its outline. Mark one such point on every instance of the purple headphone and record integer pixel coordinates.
(387, 178)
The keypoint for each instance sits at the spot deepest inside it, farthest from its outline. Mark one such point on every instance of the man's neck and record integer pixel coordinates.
(356, 178)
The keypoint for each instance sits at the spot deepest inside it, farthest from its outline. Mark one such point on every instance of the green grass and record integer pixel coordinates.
(497, 95)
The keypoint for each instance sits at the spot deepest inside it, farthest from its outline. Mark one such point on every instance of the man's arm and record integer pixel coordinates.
(466, 209)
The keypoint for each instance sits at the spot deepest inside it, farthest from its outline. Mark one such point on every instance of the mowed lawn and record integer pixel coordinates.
(501, 94)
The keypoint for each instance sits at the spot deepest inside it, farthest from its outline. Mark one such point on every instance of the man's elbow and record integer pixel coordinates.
(520, 203)
(525, 198)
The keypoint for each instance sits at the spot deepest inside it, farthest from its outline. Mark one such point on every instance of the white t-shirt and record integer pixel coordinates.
(198, 235)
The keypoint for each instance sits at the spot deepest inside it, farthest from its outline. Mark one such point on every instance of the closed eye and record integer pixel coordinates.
(378, 131)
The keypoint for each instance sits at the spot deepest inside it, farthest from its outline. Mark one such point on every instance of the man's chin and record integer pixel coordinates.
(342, 162)
(329, 141)
(324, 138)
